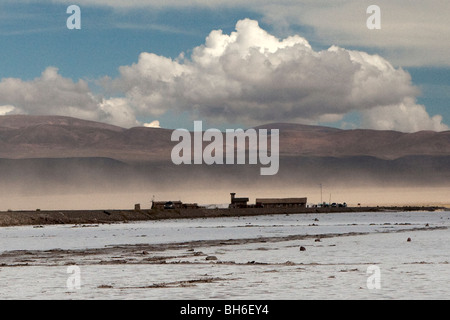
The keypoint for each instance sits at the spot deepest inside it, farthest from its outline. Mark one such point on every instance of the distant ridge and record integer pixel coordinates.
(283, 126)
(52, 154)
(23, 136)
(24, 121)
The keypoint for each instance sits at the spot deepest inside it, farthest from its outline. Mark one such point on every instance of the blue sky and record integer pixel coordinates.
(37, 35)
(34, 37)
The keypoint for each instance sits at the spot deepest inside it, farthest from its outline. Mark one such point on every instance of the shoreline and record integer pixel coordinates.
(54, 217)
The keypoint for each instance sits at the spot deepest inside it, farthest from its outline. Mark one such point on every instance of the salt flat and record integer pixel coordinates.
(233, 258)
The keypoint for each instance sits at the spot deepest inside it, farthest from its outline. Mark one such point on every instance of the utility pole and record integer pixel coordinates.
(321, 201)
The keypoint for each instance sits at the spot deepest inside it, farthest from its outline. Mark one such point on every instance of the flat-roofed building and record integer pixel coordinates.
(190, 206)
(238, 202)
(281, 202)
(167, 204)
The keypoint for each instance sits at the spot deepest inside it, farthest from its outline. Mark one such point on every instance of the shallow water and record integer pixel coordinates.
(271, 266)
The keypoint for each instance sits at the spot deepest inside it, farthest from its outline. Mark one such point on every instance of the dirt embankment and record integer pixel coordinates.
(16, 218)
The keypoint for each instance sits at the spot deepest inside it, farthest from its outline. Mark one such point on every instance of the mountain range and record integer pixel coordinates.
(24, 136)
(41, 153)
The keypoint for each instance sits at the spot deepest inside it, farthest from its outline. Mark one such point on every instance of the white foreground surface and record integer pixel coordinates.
(334, 268)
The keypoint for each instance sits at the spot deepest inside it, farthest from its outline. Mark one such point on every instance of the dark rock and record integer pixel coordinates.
(211, 258)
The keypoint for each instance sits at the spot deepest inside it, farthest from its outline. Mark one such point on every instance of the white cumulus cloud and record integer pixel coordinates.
(406, 116)
(413, 33)
(248, 77)
(53, 94)
(49, 94)
(4, 110)
(153, 124)
(251, 76)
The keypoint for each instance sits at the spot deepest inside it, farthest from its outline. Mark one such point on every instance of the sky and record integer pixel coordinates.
(229, 63)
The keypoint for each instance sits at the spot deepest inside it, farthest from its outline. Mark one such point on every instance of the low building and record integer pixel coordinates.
(163, 204)
(238, 202)
(281, 202)
(190, 206)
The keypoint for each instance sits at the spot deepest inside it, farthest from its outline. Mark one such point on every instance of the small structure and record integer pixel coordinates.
(162, 204)
(281, 202)
(190, 206)
(238, 202)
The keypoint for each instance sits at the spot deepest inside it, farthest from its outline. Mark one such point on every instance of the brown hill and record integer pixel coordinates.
(302, 140)
(47, 154)
(24, 137)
